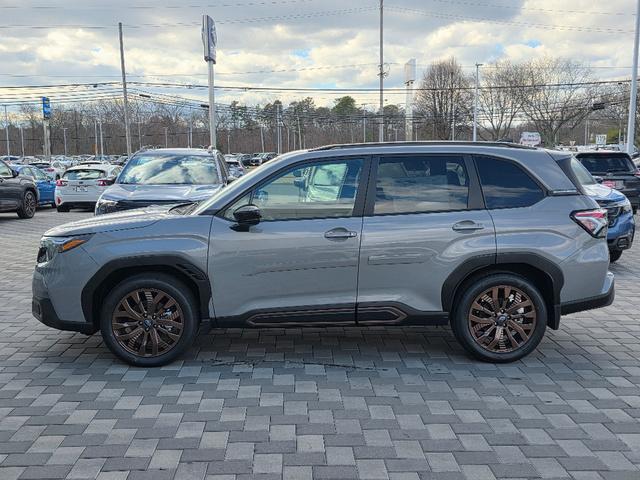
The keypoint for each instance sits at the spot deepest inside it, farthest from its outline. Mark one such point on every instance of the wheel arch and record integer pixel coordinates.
(113, 272)
(542, 272)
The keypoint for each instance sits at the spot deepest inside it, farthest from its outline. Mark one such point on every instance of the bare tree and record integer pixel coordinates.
(444, 98)
(500, 101)
(555, 96)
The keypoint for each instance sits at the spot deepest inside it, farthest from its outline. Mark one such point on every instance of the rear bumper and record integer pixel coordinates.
(602, 300)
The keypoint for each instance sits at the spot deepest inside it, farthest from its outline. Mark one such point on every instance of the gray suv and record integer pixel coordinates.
(496, 240)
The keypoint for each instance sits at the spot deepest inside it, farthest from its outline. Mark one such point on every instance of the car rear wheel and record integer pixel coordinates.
(62, 208)
(500, 318)
(28, 206)
(149, 320)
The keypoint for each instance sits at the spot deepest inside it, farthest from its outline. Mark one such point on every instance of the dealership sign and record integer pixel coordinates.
(531, 139)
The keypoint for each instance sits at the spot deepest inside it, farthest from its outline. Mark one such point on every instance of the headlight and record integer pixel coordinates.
(104, 205)
(51, 246)
(625, 205)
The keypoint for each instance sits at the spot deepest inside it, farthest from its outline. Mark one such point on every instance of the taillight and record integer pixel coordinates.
(49, 169)
(102, 183)
(609, 183)
(61, 183)
(593, 221)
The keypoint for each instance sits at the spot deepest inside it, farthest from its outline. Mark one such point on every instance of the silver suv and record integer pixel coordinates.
(496, 240)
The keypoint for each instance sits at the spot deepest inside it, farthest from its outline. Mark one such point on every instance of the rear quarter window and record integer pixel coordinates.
(506, 185)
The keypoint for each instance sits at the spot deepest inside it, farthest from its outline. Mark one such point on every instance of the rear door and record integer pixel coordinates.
(424, 217)
(46, 186)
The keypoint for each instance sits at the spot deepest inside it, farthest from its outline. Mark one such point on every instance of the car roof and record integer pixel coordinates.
(192, 151)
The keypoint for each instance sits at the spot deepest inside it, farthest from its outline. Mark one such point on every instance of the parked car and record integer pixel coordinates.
(616, 169)
(165, 176)
(17, 193)
(53, 170)
(621, 227)
(495, 239)
(46, 186)
(260, 158)
(82, 185)
(234, 165)
(245, 159)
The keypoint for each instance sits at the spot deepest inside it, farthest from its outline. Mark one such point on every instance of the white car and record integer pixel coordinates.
(82, 185)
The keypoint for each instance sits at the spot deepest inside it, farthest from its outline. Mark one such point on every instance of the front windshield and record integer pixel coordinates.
(170, 169)
(581, 173)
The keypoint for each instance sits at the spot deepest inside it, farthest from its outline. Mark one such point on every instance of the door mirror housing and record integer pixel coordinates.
(14, 173)
(247, 215)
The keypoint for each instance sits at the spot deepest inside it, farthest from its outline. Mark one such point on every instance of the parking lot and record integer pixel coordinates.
(375, 403)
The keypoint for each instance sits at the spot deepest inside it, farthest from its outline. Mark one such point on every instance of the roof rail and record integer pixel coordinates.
(423, 143)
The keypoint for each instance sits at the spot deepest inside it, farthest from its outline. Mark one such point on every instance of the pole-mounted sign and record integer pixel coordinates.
(46, 108)
(209, 38)
(209, 41)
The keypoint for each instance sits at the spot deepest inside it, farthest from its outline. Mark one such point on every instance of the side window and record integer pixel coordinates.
(313, 190)
(505, 185)
(38, 174)
(27, 172)
(421, 184)
(4, 170)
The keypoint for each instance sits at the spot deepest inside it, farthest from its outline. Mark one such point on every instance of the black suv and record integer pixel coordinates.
(615, 170)
(17, 193)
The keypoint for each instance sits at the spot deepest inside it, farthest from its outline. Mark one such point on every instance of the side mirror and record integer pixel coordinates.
(247, 215)
(14, 173)
(231, 178)
(598, 179)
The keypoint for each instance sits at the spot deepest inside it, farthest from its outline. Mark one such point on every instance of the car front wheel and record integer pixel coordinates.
(149, 320)
(500, 318)
(614, 255)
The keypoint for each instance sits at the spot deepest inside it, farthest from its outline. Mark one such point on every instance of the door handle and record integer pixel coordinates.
(467, 226)
(337, 233)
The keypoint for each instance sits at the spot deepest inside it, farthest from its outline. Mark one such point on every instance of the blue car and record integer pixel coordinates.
(46, 186)
(622, 225)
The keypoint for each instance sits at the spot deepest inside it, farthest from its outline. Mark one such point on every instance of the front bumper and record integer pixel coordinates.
(603, 299)
(621, 233)
(42, 309)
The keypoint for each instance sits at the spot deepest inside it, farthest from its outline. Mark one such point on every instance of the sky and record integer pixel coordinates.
(298, 43)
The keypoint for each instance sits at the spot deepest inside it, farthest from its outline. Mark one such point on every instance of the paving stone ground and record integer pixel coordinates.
(376, 403)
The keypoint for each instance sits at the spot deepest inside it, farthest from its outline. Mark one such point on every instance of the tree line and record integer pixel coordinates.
(556, 97)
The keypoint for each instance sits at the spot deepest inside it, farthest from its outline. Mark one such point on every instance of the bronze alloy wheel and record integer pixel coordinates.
(502, 319)
(29, 204)
(147, 322)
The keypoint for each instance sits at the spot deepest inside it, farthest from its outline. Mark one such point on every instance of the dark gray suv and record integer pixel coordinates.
(496, 240)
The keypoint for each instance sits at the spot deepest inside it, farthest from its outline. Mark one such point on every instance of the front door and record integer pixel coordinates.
(10, 188)
(300, 263)
(424, 217)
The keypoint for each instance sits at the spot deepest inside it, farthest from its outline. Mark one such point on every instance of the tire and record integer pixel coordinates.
(156, 342)
(614, 255)
(62, 208)
(27, 208)
(479, 337)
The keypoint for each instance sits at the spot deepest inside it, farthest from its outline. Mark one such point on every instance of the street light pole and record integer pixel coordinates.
(6, 127)
(631, 126)
(124, 92)
(381, 73)
(101, 141)
(166, 137)
(64, 137)
(475, 103)
(22, 140)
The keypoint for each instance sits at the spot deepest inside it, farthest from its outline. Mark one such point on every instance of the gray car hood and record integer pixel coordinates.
(161, 193)
(138, 218)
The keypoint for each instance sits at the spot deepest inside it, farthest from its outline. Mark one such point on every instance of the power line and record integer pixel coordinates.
(531, 9)
(154, 6)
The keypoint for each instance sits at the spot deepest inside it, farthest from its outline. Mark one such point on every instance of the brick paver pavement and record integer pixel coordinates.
(372, 403)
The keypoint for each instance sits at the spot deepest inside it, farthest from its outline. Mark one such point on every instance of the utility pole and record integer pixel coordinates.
(6, 128)
(64, 137)
(475, 103)
(631, 126)
(124, 93)
(209, 40)
(95, 131)
(299, 132)
(228, 141)
(190, 128)
(166, 137)
(22, 140)
(364, 123)
(409, 79)
(139, 137)
(381, 73)
(262, 137)
(453, 122)
(101, 140)
(278, 130)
